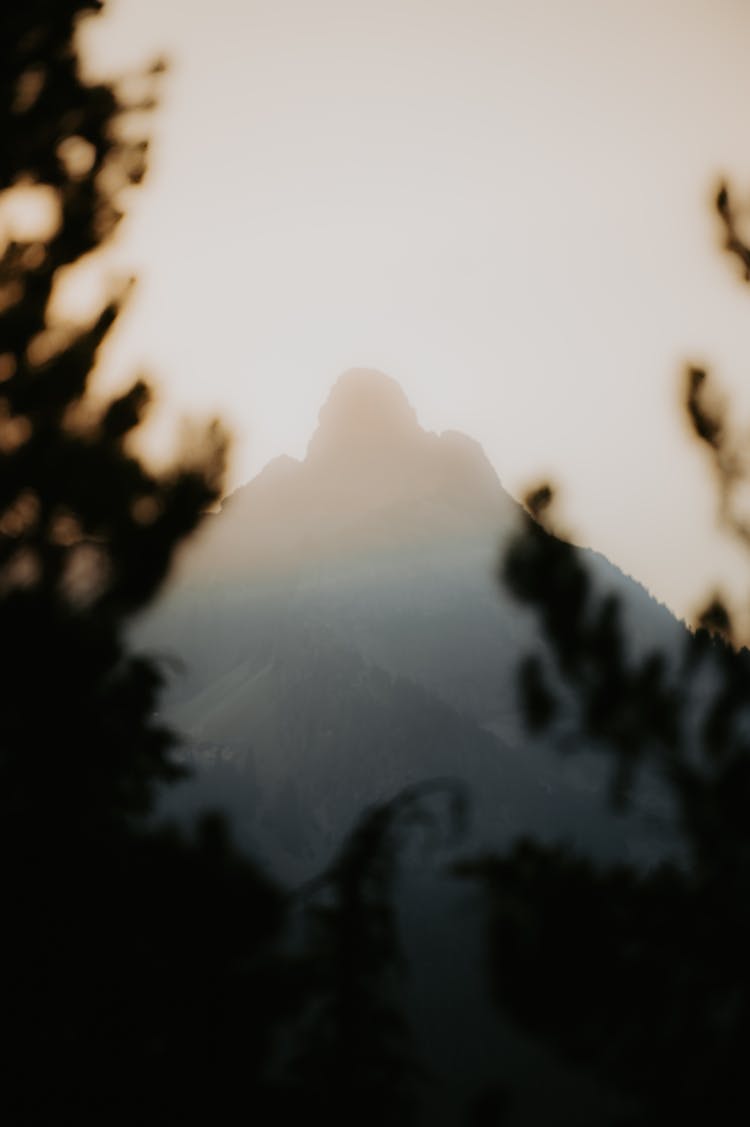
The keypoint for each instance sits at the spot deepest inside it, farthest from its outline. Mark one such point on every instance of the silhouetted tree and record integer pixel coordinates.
(354, 1059)
(140, 981)
(640, 977)
(146, 976)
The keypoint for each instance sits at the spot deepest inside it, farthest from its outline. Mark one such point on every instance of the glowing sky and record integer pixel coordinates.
(504, 205)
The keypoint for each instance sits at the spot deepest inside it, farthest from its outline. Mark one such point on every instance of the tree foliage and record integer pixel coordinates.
(639, 977)
(88, 531)
(354, 1058)
(147, 974)
(139, 975)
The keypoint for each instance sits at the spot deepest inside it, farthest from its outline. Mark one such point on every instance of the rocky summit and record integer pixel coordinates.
(372, 481)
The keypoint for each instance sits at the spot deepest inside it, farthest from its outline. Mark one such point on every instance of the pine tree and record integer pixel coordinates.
(638, 977)
(141, 980)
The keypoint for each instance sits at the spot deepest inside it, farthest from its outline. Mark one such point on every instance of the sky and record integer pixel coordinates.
(505, 206)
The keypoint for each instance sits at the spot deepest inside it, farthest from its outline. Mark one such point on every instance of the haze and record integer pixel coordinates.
(505, 207)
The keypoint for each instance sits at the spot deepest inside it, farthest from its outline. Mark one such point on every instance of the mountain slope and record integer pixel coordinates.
(341, 624)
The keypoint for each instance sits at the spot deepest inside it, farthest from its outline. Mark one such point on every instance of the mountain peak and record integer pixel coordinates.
(365, 411)
(374, 485)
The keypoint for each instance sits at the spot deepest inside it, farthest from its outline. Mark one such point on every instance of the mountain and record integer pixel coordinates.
(342, 633)
(373, 483)
(337, 633)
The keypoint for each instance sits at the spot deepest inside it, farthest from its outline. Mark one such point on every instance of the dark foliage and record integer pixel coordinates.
(146, 973)
(641, 978)
(140, 979)
(356, 1060)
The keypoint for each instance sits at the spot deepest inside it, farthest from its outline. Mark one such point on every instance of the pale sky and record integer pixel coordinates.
(506, 206)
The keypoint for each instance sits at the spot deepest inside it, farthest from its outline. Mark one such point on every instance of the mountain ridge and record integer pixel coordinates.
(343, 636)
(354, 480)
(378, 553)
